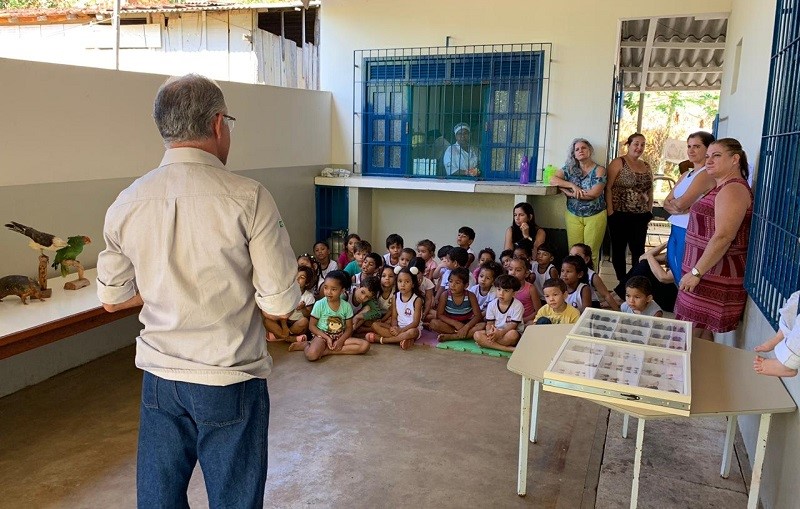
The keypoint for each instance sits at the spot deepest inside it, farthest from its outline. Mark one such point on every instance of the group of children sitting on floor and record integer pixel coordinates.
(389, 298)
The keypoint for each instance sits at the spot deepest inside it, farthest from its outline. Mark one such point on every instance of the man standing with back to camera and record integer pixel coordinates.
(199, 247)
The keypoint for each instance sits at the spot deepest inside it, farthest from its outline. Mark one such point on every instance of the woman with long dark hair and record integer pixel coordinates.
(524, 227)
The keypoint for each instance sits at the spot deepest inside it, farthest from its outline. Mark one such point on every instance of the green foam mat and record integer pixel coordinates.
(467, 345)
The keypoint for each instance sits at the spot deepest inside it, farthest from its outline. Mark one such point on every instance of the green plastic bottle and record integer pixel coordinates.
(548, 172)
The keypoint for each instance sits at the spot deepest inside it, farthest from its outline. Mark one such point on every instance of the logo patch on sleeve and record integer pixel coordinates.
(280, 223)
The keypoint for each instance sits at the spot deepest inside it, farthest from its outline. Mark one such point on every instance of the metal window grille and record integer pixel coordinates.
(773, 266)
(332, 215)
(407, 103)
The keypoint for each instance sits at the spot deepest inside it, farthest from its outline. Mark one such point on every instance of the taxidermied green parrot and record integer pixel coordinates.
(70, 252)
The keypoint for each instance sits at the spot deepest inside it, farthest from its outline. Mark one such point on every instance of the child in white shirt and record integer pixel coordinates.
(785, 343)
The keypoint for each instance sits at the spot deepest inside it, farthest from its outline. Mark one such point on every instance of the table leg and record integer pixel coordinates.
(524, 425)
(637, 463)
(727, 452)
(537, 386)
(625, 419)
(758, 461)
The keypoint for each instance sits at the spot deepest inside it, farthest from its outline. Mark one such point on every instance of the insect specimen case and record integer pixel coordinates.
(635, 360)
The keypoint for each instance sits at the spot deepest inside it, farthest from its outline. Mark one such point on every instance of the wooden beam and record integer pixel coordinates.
(648, 49)
(52, 19)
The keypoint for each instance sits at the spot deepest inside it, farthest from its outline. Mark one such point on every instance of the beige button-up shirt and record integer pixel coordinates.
(204, 247)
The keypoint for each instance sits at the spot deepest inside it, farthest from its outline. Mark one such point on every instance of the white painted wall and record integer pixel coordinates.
(75, 137)
(74, 123)
(742, 115)
(584, 37)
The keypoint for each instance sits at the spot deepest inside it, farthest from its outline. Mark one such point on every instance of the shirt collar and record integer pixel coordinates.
(191, 155)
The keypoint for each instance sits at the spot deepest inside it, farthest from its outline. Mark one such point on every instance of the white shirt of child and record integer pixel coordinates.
(512, 314)
(426, 285)
(405, 310)
(387, 260)
(330, 268)
(483, 300)
(539, 279)
(788, 350)
(308, 299)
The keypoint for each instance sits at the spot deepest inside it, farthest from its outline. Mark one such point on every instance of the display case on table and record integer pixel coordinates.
(637, 360)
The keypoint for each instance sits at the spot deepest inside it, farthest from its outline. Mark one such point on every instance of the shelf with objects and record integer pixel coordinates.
(615, 357)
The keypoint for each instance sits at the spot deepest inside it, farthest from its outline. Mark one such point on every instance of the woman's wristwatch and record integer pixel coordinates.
(695, 272)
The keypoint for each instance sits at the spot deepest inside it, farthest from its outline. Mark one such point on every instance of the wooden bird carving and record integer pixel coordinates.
(39, 240)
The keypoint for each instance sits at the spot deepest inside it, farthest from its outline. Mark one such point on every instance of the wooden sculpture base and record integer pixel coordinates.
(44, 261)
(76, 284)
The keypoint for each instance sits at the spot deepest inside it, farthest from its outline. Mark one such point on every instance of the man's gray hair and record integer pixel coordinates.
(185, 108)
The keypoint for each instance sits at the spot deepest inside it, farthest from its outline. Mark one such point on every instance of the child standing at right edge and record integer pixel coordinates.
(332, 323)
(406, 323)
(786, 343)
(503, 317)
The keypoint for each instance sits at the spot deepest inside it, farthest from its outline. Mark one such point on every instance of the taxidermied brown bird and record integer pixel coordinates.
(39, 240)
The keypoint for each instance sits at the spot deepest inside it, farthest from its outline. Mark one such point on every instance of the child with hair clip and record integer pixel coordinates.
(426, 288)
(457, 312)
(504, 323)
(406, 255)
(556, 310)
(386, 297)
(785, 343)
(331, 323)
(306, 260)
(486, 255)
(425, 250)
(348, 254)
(369, 267)
(294, 327)
(639, 298)
(363, 300)
(596, 283)
(406, 322)
(527, 293)
(543, 268)
(573, 273)
(394, 245)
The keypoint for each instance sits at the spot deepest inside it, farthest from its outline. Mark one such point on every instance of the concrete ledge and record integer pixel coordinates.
(425, 184)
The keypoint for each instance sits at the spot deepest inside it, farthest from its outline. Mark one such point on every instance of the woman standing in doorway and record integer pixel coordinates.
(629, 200)
(690, 187)
(584, 182)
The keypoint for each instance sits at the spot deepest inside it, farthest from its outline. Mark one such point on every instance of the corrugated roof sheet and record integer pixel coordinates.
(685, 53)
(145, 8)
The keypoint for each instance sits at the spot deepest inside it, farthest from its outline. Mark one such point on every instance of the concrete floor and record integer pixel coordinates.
(423, 428)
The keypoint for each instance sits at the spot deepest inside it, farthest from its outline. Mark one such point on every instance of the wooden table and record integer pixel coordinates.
(723, 384)
(66, 313)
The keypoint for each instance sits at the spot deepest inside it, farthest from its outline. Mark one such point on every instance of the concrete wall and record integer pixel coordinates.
(75, 137)
(584, 36)
(742, 114)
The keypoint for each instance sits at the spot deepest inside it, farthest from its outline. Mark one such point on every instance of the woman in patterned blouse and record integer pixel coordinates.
(629, 199)
(584, 182)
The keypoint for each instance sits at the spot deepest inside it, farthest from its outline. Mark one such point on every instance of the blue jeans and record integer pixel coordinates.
(676, 246)
(225, 428)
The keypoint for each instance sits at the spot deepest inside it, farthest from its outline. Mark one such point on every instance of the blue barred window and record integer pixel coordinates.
(407, 103)
(773, 266)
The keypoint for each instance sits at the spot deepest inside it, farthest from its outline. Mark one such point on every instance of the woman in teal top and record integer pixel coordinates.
(584, 182)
